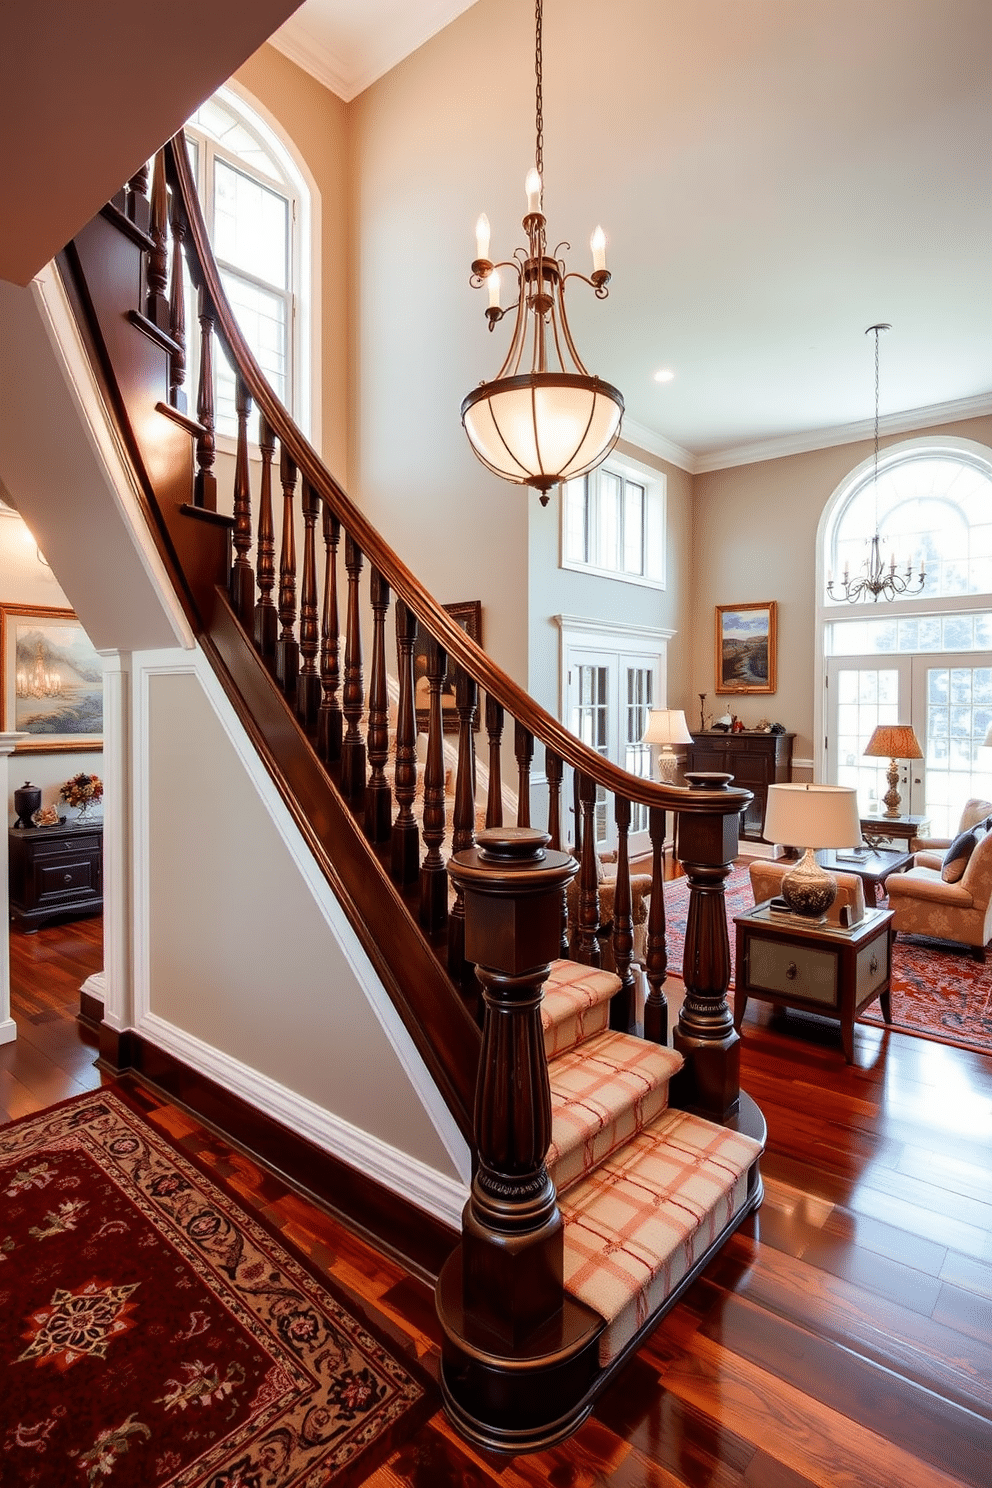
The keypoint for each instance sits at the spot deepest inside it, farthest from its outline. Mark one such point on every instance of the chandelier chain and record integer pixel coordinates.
(539, 91)
(876, 329)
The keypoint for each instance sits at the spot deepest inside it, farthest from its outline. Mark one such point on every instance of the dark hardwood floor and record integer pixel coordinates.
(844, 1337)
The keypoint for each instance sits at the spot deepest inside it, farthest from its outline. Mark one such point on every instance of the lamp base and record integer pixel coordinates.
(892, 799)
(809, 890)
(668, 765)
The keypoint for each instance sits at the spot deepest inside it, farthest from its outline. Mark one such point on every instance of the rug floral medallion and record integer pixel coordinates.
(152, 1333)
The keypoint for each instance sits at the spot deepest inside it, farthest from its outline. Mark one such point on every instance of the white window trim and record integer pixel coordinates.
(655, 484)
(827, 611)
(305, 302)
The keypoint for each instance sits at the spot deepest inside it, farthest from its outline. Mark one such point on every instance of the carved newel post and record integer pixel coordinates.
(517, 1354)
(710, 1083)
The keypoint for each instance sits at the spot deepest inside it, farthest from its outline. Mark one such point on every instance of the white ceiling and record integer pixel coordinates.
(774, 177)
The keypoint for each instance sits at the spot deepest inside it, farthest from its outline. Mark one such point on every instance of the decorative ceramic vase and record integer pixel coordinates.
(27, 800)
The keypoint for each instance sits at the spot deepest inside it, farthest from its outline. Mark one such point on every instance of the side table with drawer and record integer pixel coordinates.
(55, 871)
(823, 968)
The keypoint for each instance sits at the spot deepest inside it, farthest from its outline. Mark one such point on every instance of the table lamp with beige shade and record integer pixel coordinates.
(811, 816)
(893, 741)
(665, 727)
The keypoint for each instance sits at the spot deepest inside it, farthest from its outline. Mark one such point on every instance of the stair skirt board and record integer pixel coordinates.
(418, 1239)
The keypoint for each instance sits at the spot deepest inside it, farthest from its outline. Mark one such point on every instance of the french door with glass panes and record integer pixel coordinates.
(947, 697)
(607, 697)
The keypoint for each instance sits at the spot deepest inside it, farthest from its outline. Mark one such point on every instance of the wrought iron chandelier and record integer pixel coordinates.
(555, 421)
(877, 580)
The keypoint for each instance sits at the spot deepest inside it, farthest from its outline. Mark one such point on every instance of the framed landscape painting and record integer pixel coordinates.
(51, 680)
(746, 647)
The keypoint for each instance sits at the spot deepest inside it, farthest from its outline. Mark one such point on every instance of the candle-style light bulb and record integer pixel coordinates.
(482, 236)
(532, 186)
(494, 288)
(598, 245)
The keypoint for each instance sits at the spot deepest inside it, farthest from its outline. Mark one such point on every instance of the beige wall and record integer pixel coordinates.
(240, 955)
(754, 539)
(317, 123)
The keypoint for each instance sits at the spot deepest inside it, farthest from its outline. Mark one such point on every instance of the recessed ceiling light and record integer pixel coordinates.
(664, 375)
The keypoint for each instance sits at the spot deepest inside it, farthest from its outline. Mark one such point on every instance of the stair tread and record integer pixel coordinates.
(637, 1223)
(576, 1004)
(602, 1093)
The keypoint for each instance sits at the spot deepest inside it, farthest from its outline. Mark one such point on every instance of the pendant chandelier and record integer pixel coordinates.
(554, 421)
(878, 581)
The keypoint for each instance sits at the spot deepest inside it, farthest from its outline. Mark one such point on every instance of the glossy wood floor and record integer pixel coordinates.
(843, 1338)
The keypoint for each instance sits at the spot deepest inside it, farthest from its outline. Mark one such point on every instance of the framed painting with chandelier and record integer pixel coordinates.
(746, 647)
(51, 680)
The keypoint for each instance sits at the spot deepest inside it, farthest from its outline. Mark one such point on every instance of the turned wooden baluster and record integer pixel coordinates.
(157, 301)
(287, 647)
(656, 950)
(136, 205)
(242, 578)
(308, 682)
(554, 770)
(585, 946)
(466, 702)
(523, 748)
(177, 315)
(205, 482)
(378, 797)
(329, 717)
(266, 617)
(406, 834)
(705, 1035)
(433, 879)
(494, 729)
(622, 1008)
(353, 745)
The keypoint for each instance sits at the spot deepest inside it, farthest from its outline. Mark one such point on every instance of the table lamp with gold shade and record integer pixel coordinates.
(893, 741)
(665, 727)
(811, 816)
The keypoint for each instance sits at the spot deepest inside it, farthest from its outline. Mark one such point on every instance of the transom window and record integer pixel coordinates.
(252, 205)
(613, 521)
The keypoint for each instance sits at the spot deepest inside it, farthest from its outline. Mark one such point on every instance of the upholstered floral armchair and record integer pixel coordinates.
(948, 895)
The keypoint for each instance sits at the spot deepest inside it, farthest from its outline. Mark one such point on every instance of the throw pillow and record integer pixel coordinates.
(958, 854)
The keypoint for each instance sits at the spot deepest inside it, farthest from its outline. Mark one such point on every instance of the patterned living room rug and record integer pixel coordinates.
(155, 1335)
(938, 992)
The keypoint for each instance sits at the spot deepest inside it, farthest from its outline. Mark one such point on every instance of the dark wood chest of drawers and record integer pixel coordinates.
(756, 761)
(55, 871)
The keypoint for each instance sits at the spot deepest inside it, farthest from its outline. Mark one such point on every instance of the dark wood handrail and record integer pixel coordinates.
(458, 645)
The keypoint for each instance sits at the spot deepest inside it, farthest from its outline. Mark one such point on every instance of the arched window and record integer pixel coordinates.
(928, 504)
(925, 659)
(256, 204)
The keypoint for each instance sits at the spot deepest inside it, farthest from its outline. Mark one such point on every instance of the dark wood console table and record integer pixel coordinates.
(755, 760)
(55, 871)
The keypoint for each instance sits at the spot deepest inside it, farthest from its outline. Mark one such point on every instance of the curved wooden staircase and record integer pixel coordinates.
(608, 1167)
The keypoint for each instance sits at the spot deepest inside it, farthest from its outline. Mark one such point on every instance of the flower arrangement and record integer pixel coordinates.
(82, 791)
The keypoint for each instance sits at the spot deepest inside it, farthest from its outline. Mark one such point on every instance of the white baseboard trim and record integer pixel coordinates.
(402, 1174)
(96, 986)
(8, 1031)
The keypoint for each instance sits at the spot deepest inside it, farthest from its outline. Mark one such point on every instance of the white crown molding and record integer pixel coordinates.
(316, 60)
(344, 80)
(656, 444)
(815, 439)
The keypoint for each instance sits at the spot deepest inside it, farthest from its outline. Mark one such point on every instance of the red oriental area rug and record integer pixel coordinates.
(154, 1335)
(937, 992)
